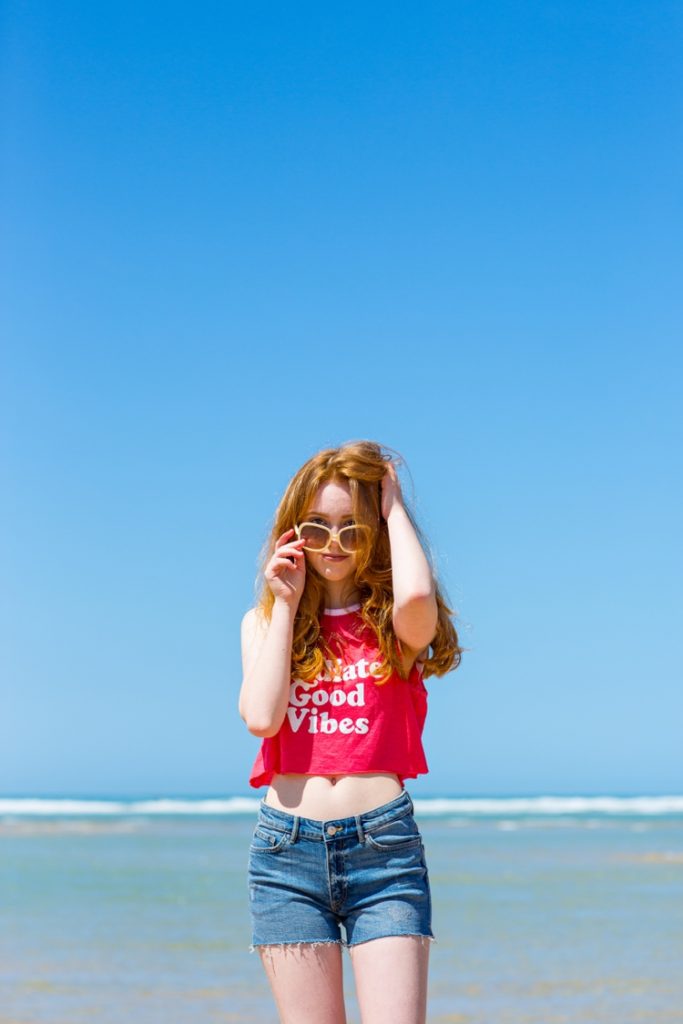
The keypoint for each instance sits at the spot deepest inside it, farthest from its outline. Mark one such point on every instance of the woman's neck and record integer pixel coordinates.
(340, 597)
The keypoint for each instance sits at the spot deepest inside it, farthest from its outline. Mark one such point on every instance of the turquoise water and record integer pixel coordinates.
(140, 916)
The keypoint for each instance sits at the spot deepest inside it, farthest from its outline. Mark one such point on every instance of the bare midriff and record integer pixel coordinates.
(323, 797)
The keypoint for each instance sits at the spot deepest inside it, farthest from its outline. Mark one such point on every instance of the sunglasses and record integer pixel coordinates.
(319, 538)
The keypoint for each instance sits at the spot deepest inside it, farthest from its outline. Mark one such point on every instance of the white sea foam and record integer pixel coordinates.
(464, 807)
(37, 806)
(93, 808)
(553, 805)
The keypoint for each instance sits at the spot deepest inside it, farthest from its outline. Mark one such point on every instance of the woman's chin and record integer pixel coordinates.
(338, 571)
(334, 570)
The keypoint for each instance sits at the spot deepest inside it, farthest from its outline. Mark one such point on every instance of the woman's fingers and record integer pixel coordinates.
(287, 557)
(283, 546)
(391, 473)
(279, 564)
(287, 552)
(283, 539)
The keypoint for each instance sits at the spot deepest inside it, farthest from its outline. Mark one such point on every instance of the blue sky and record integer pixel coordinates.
(236, 234)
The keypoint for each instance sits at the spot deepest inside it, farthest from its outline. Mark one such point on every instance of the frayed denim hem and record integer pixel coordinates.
(425, 939)
(297, 944)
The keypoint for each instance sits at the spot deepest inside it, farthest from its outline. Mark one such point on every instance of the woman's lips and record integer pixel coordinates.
(335, 558)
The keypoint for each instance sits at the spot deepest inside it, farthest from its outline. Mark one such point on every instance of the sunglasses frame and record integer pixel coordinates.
(333, 535)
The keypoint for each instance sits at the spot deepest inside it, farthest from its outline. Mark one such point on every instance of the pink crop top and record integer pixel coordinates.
(343, 722)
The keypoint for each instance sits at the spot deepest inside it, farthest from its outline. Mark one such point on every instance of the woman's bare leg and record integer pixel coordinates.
(306, 979)
(391, 979)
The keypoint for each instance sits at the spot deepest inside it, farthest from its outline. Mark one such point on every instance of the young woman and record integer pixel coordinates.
(350, 621)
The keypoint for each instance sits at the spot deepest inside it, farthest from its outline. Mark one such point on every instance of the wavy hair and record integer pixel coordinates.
(361, 465)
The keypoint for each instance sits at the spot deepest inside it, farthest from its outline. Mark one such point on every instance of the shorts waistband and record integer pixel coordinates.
(336, 828)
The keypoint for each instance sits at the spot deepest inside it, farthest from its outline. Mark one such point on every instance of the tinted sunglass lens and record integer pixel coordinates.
(349, 538)
(314, 536)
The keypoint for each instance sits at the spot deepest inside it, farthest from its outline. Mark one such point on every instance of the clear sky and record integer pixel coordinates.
(235, 234)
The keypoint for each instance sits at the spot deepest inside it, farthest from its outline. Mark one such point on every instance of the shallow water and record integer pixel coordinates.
(145, 919)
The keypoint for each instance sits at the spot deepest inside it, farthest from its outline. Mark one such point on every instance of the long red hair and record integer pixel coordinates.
(361, 465)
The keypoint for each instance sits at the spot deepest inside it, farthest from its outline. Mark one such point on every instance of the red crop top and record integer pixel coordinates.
(343, 722)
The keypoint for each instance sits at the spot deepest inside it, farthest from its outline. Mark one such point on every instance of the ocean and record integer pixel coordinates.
(547, 910)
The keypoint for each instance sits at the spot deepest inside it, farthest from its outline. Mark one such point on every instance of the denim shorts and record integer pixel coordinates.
(367, 873)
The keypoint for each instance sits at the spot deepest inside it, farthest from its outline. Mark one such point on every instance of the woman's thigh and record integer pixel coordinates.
(391, 979)
(307, 982)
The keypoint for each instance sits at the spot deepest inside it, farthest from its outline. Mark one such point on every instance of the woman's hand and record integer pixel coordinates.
(286, 570)
(391, 490)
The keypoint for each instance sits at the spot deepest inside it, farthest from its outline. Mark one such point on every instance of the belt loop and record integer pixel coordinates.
(359, 828)
(412, 805)
(295, 829)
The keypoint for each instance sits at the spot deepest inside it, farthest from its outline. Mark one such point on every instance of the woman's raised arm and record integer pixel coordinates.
(267, 646)
(415, 609)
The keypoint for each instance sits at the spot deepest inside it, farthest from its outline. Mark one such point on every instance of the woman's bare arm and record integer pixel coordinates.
(267, 646)
(266, 664)
(415, 610)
